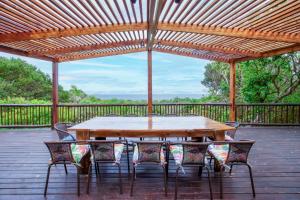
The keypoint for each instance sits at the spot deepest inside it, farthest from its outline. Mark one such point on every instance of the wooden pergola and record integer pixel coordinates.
(228, 31)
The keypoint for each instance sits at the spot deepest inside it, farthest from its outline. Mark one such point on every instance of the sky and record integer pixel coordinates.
(127, 74)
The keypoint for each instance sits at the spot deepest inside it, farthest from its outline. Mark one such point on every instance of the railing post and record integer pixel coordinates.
(150, 103)
(232, 114)
(54, 94)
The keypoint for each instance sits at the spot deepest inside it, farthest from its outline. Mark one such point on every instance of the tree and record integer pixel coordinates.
(274, 79)
(76, 95)
(270, 79)
(20, 79)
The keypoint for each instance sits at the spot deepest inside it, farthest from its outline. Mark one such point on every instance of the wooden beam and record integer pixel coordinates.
(54, 93)
(150, 99)
(232, 32)
(14, 37)
(153, 21)
(214, 48)
(96, 55)
(232, 92)
(84, 48)
(24, 53)
(181, 53)
(289, 49)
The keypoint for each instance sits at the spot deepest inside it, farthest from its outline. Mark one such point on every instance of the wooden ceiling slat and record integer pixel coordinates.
(43, 17)
(182, 53)
(214, 9)
(66, 59)
(214, 48)
(70, 32)
(96, 17)
(112, 12)
(250, 34)
(133, 10)
(79, 11)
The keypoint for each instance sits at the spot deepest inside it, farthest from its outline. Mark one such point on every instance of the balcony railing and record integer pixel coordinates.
(15, 115)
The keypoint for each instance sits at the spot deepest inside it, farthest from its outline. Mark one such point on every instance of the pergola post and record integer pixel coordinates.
(232, 115)
(150, 103)
(54, 93)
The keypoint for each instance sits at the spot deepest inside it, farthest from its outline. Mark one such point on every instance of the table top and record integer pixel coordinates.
(151, 124)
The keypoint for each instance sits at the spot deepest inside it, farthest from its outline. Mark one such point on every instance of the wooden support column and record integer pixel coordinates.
(232, 91)
(54, 93)
(150, 105)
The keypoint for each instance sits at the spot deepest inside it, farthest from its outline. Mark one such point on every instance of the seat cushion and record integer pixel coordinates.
(78, 151)
(228, 138)
(177, 153)
(69, 138)
(118, 148)
(136, 155)
(219, 152)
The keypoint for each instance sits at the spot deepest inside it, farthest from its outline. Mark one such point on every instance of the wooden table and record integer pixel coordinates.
(191, 126)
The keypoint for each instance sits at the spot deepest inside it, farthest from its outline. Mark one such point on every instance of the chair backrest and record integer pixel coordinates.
(149, 151)
(60, 152)
(103, 150)
(61, 129)
(239, 150)
(194, 153)
(231, 133)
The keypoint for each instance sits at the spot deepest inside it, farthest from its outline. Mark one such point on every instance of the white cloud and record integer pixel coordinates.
(93, 64)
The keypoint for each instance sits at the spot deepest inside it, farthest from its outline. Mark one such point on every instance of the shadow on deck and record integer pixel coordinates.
(275, 159)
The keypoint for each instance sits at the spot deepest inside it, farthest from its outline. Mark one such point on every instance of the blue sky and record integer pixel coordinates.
(127, 74)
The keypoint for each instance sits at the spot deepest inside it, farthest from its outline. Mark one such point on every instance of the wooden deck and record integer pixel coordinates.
(275, 159)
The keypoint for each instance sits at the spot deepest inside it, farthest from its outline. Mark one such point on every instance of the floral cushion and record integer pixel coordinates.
(118, 151)
(219, 152)
(135, 157)
(177, 152)
(78, 151)
(228, 138)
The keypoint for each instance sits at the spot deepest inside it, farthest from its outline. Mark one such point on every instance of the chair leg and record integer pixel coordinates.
(96, 170)
(78, 182)
(165, 182)
(221, 182)
(120, 178)
(132, 181)
(252, 182)
(176, 183)
(128, 164)
(65, 168)
(89, 180)
(231, 166)
(200, 171)
(47, 180)
(209, 182)
(210, 160)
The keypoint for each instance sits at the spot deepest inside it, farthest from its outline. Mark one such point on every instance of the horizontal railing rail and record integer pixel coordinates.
(31, 115)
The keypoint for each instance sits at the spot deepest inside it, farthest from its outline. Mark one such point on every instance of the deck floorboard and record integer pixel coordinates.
(275, 159)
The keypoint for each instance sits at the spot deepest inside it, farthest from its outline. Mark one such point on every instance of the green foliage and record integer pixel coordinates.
(274, 79)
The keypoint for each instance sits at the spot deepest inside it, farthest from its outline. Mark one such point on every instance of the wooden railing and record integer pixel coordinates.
(14, 115)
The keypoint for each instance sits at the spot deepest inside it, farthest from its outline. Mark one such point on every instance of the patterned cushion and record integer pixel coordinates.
(135, 156)
(78, 151)
(219, 152)
(228, 138)
(177, 152)
(118, 151)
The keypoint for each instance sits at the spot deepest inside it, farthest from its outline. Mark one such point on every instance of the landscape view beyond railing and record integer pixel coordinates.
(18, 115)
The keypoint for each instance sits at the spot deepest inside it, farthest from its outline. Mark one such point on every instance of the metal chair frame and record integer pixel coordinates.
(201, 165)
(113, 159)
(232, 163)
(164, 166)
(70, 161)
(63, 133)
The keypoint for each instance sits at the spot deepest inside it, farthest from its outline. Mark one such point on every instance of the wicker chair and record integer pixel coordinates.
(147, 152)
(190, 154)
(232, 153)
(229, 135)
(69, 153)
(62, 131)
(109, 152)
